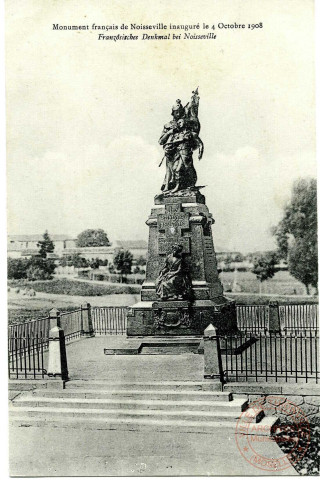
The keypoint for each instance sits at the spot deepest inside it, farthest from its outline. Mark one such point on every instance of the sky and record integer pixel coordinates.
(84, 116)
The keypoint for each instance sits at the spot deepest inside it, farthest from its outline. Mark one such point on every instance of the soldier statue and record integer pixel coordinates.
(180, 138)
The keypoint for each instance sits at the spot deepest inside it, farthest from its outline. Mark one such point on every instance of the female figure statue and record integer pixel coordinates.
(180, 138)
(173, 281)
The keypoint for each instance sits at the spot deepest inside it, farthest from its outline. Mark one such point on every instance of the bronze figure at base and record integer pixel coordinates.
(173, 281)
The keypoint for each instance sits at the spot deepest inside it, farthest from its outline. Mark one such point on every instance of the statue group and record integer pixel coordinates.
(180, 137)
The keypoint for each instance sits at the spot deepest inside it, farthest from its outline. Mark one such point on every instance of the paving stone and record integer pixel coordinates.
(288, 409)
(275, 399)
(257, 399)
(296, 399)
(309, 410)
(314, 400)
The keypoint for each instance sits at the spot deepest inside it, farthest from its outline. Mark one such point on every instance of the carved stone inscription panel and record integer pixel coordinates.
(171, 224)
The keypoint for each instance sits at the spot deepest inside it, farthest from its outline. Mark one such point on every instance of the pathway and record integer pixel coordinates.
(86, 360)
(47, 451)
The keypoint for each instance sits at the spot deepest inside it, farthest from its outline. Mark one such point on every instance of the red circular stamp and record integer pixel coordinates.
(254, 437)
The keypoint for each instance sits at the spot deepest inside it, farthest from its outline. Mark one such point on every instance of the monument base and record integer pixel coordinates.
(174, 345)
(181, 317)
(155, 346)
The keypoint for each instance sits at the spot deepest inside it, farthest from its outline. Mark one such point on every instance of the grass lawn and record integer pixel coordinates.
(256, 299)
(281, 284)
(22, 308)
(64, 286)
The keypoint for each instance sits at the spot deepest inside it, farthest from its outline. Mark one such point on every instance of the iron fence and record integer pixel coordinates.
(289, 357)
(34, 329)
(254, 318)
(28, 343)
(109, 320)
(26, 357)
(72, 324)
(298, 317)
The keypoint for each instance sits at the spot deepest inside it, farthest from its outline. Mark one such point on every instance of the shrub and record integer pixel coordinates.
(40, 269)
(83, 273)
(17, 268)
(100, 277)
(35, 268)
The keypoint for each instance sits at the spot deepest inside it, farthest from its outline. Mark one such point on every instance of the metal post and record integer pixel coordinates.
(274, 318)
(212, 355)
(87, 320)
(57, 363)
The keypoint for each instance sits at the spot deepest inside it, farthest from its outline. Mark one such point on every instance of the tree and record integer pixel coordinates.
(17, 268)
(93, 238)
(46, 245)
(296, 233)
(301, 260)
(228, 259)
(95, 263)
(74, 260)
(123, 262)
(40, 269)
(264, 267)
(141, 261)
(239, 258)
(35, 268)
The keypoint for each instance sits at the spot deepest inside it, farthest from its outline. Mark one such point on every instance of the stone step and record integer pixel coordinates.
(208, 385)
(135, 424)
(178, 395)
(169, 349)
(188, 415)
(238, 405)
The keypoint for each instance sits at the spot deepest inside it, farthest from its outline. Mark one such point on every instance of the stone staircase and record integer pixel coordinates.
(141, 406)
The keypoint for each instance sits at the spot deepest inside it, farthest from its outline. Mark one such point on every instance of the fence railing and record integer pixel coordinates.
(257, 318)
(28, 342)
(298, 317)
(34, 329)
(289, 357)
(253, 318)
(109, 320)
(257, 352)
(26, 357)
(72, 324)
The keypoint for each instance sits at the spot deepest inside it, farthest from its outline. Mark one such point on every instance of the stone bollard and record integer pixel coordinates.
(57, 364)
(87, 328)
(274, 318)
(212, 354)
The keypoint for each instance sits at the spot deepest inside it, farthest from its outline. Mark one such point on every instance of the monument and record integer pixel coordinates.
(182, 293)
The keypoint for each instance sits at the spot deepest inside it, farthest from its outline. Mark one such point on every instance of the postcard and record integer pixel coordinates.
(162, 238)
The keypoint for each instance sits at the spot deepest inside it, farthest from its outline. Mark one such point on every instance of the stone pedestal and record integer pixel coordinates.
(182, 218)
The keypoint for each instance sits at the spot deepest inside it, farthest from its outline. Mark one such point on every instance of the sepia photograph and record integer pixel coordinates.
(162, 248)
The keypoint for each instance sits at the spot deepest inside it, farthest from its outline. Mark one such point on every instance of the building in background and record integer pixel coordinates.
(26, 246)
